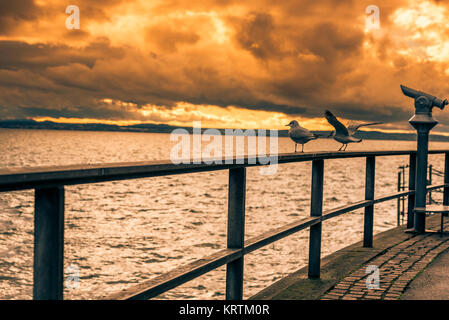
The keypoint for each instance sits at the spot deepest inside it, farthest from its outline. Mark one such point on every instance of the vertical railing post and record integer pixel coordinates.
(236, 232)
(399, 200)
(446, 180)
(48, 243)
(316, 210)
(403, 198)
(369, 195)
(430, 183)
(411, 187)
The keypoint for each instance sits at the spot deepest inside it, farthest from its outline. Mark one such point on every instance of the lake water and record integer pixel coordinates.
(121, 233)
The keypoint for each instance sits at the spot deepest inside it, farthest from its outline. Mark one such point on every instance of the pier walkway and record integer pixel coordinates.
(405, 268)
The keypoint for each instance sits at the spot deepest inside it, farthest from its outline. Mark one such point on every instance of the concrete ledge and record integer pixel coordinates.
(335, 267)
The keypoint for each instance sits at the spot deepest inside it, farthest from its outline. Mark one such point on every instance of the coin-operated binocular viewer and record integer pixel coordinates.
(423, 122)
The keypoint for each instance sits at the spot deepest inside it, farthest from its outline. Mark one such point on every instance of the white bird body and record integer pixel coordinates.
(342, 134)
(346, 139)
(300, 134)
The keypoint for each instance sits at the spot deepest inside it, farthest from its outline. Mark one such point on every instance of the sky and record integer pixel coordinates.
(229, 64)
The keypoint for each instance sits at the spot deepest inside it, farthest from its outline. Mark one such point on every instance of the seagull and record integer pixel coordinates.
(299, 134)
(342, 134)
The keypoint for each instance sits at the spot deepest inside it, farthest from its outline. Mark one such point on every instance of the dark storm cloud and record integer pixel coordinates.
(383, 113)
(331, 42)
(297, 86)
(251, 103)
(57, 78)
(270, 106)
(258, 35)
(295, 56)
(316, 82)
(12, 13)
(98, 112)
(20, 55)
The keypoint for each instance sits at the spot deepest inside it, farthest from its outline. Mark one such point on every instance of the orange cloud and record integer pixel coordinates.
(246, 64)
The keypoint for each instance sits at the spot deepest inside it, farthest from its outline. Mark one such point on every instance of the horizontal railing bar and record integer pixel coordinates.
(392, 196)
(278, 233)
(12, 179)
(437, 186)
(185, 273)
(345, 209)
(177, 276)
(31, 181)
(364, 203)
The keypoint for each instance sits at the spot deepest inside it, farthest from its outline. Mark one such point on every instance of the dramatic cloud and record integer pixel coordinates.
(13, 13)
(250, 63)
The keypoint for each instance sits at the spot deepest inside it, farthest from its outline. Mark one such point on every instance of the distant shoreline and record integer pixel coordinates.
(162, 128)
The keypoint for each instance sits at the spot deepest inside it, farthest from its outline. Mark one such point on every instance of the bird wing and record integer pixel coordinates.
(353, 128)
(340, 128)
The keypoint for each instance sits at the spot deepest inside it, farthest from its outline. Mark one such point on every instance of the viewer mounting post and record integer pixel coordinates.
(423, 122)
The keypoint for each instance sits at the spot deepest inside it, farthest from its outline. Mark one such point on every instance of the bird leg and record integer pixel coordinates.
(341, 147)
(295, 147)
(302, 148)
(346, 145)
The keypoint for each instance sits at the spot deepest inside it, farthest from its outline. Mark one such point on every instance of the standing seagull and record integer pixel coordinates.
(342, 134)
(299, 134)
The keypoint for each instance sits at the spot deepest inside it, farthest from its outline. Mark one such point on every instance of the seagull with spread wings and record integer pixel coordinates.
(342, 134)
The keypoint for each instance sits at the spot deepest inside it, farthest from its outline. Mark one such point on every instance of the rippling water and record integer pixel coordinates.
(121, 233)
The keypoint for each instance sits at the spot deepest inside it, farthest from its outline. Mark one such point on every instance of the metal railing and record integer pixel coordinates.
(49, 183)
(401, 208)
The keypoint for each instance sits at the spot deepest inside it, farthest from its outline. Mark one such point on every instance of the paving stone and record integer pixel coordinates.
(371, 297)
(332, 296)
(339, 292)
(397, 267)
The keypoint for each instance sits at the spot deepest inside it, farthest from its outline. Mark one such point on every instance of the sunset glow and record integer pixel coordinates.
(252, 64)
